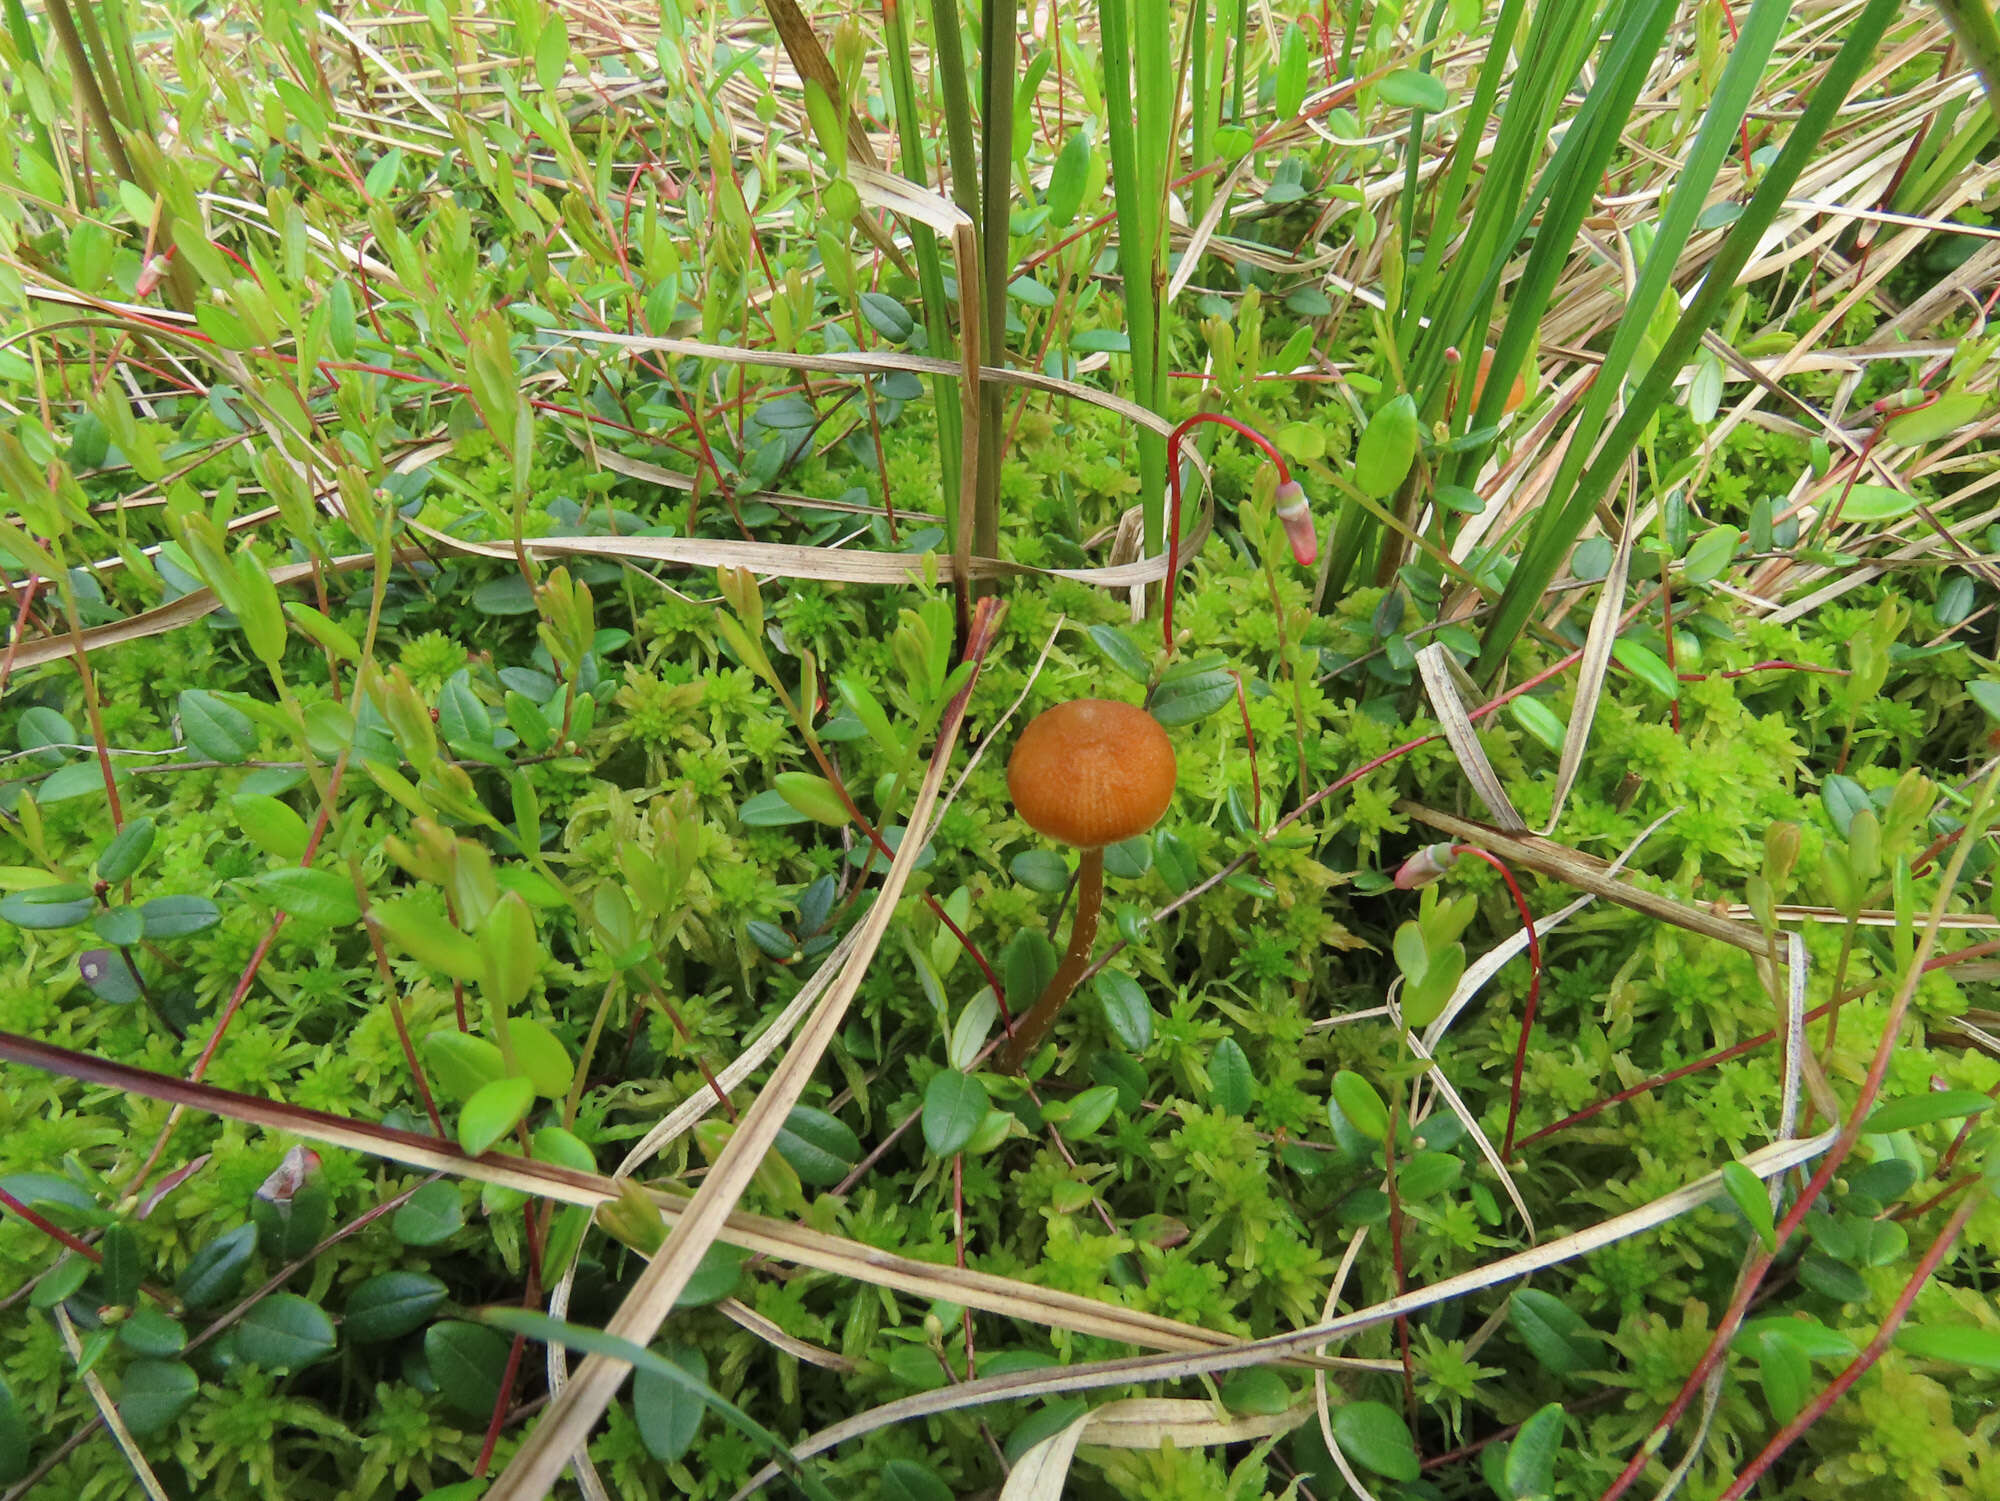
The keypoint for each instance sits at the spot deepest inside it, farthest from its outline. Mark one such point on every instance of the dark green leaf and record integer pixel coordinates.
(121, 927)
(1183, 700)
(127, 851)
(15, 1455)
(1129, 858)
(1844, 797)
(510, 594)
(155, 1392)
(887, 317)
(147, 1331)
(38, 727)
(1374, 1435)
(1119, 651)
(215, 1274)
(820, 1147)
(47, 907)
(179, 916)
(1229, 1078)
(787, 414)
(1555, 1334)
(215, 730)
(1026, 966)
(954, 1105)
(62, 1281)
(433, 1213)
(1126, 1010)
(108, 975)
(118, 1272)
(906, 1480)
(669, 1413)
(462, 719)
(1426, 1175)
(716, 1276)
(468, 1362)
(769, 810)
(285, 1332)
(1040, 870)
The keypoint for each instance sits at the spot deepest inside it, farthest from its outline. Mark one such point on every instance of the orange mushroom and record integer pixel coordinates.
(1087, 773)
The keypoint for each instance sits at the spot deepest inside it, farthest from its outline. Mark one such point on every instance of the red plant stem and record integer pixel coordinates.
(1035, 1025)
(1174, 502)
(1748, 1045)
(1829, 1164)
(1534, 985)
(28, 587)
(49, 1228)
(1860, 1365)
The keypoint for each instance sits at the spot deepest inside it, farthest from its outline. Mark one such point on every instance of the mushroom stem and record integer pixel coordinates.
(1033, 1028)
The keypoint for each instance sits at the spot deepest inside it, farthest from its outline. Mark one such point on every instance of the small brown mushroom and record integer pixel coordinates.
(1087, 773)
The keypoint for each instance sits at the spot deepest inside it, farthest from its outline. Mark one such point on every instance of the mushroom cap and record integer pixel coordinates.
(1092, 772)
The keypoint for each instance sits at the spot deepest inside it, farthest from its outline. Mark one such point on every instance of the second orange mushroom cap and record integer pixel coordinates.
(1092, 772)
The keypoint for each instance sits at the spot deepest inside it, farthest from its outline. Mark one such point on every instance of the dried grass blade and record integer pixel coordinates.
(797, 1245)
(107, 1412)
(791, 560)
(1587, 874)
(1441, 675)
(1766, 1162)
(535, 1467)
(1590, 671)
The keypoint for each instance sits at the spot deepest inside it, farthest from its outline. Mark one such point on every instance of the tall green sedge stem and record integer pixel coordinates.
(1291, 497)
(1042, 1015)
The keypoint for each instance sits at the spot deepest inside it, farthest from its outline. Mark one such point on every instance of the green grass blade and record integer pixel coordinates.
(1560, 521)
(924, 251)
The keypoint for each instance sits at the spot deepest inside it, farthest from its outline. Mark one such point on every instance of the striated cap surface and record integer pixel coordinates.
(1092, 772)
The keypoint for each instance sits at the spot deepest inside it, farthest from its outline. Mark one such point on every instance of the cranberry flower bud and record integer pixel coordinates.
(1297, 517)
(1428, 864)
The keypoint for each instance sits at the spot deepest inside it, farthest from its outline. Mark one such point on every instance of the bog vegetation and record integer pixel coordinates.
(530, 533)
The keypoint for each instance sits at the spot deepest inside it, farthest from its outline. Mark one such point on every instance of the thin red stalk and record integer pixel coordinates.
(1862, 1363)
(49, 1228)
(1174, 440)
(1829, 1164)
(1534, 984)
(28, 587)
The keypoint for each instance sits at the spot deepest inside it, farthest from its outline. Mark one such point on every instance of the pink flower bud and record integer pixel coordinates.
(1427, 865)
(1297, 517)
